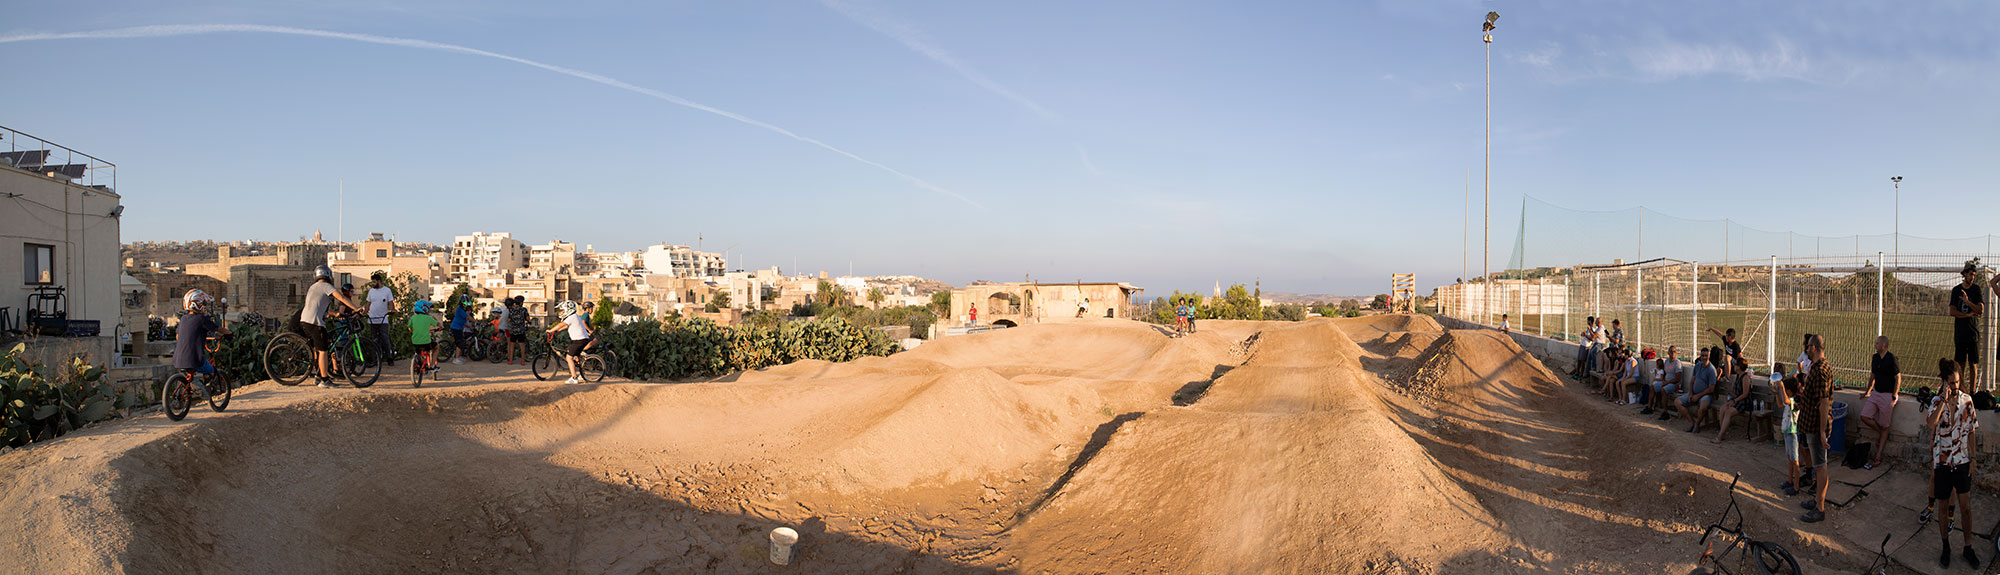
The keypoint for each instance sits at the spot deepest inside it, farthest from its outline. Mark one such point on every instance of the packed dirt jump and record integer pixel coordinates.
(1368, 445)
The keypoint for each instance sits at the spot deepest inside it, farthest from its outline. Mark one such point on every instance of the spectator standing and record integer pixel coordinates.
(380, 297)
(1885, 378)
(1815, 425)
(517, 329)
(1956, 426)
(461, 319)
(1583, 340)
(1968, 304)
(1787, 391)
(1617, 335)
(1700, 392)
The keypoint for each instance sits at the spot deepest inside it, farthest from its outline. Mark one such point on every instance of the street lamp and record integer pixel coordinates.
(1486, 238)
(1898, 242)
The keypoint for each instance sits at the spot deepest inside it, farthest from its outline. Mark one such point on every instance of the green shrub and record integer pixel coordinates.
(675, 349)
(37, 407)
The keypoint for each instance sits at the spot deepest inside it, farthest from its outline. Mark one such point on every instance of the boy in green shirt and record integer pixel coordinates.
(421, 326)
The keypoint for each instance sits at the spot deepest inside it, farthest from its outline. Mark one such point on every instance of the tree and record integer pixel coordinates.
(830, 295)
(720, 300)
(941, 304)
(875, 296)
(601, 318)
(1381, 301)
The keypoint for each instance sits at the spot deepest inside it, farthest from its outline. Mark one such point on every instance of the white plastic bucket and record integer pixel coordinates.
(782, 540)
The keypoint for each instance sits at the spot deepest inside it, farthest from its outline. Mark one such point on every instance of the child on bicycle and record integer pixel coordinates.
(579, 336)
(195, 325)
(421, 325)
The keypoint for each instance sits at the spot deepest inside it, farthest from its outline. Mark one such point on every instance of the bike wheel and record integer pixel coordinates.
(358, 371)
(177, 396)
(417, 371)
(610, 360)
(218, 391)
(592, 368)
(288, 358)
(1772, 559)
(544, 366)
(496, 351)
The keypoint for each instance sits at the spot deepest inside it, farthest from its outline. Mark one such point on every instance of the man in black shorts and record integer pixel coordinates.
(312, 320)
(1968, 304)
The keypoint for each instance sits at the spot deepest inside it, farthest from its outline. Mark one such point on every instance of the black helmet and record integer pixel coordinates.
(346, 287)
(323, 272)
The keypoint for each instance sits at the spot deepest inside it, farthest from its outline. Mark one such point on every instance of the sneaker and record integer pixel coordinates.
(458, 361)
(571, 381)
(1647, 411)
(1944, 558)
(1870, 466)
(1925, 515)
(328, 383)
(1790, 491)
(1786, 485)
(1809, 505)
(1971, 559)
(1816, 516)
(1666, 416)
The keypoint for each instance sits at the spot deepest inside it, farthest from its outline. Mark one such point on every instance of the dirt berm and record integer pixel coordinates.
(1088, 447)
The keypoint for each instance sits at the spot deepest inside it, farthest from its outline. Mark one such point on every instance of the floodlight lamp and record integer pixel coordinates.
(1897, 179)
(1492, 17)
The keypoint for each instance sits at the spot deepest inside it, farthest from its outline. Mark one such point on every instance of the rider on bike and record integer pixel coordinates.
(312, 320)
(579, 336)
(421, 324)
(195, 325)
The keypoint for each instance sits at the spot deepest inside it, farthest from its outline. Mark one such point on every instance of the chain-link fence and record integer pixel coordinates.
(1772, 305)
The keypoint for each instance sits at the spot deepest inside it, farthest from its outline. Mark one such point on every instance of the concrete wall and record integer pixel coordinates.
(76, 221)
(1906, 425)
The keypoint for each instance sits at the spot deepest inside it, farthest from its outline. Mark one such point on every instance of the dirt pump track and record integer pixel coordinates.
(1099, 446)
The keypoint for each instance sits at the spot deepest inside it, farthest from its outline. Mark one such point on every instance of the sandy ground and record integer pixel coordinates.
(1371, 445)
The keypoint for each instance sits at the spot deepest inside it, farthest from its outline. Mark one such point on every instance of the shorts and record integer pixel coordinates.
(314, 333)
(1743, 405)
(1792, 448)
(423, 347)
(1666, 388)
(517, 337)
(1880, 407)
(1815, 450)
(1949, 479)
(1965, 346)
(1689, 402)
(576, 346)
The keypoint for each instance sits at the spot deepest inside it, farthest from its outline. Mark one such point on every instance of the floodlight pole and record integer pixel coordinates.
(1898, 242)
(1486, 237)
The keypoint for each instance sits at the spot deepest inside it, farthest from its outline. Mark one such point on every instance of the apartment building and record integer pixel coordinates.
(59, 233)
(486, 254)
(682, 261)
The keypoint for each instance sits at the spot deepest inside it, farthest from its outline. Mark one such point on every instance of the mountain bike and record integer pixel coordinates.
(1769, 558)
(425, 361)
(550, 361)
(177, 395)
(289, 357)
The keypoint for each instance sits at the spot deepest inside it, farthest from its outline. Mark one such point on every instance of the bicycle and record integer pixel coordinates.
(592, 365)
(1882, 561)
(1770, 558)
(177, 394)
(424, 361)
(289, 357)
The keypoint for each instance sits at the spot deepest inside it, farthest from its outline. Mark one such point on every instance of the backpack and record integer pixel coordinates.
(1857, 455)
(1982, 400)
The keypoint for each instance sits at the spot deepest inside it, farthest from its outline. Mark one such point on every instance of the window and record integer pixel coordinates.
(381, 253)
(38, 264)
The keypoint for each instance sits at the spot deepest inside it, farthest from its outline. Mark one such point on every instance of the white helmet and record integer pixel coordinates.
(196, 301)
(566, 308)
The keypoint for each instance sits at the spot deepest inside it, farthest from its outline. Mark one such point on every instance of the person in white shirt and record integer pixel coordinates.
(380, 297)
(579, 336)
(1504, 326)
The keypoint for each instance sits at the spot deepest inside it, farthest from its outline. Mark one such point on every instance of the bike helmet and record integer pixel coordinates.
(196, 301)
(423, 306)
(323, 272)
(566, 308)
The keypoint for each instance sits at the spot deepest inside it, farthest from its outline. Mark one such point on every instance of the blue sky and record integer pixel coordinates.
(1316, 146)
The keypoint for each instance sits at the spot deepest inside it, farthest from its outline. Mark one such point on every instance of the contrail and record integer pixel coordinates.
(196, 29)
(915, 40)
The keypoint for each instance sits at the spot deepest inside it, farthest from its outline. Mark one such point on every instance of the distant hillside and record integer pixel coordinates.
(1309, 298)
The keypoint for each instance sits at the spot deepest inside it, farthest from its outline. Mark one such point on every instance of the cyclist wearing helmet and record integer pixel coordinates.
(461, 320)
(421, 324)
(194, 332)
(579, 335)
(312, 320)
(380, 297)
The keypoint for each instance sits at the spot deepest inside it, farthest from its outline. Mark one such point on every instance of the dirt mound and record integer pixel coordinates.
(1368, 327)
(1290, 465)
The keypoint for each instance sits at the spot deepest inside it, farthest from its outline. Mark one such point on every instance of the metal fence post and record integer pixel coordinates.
(1566, 300)
(1596, 295)
(1771, 319)
(1694, 307)
(1639, 308)
(1541, 304)
(1880, 275)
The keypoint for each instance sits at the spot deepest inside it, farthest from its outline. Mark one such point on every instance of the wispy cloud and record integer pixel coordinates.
(198, 29)
(1675, 60)
(1544, 57)
(916, 41)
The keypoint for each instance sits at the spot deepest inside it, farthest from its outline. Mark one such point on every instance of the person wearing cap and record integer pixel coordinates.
(1968, 304)
(380, 298)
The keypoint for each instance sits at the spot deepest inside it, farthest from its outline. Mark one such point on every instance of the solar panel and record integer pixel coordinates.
(71, 171)
(25, 157)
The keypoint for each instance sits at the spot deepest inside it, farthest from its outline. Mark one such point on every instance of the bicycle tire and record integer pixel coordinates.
(358, 371)
(417, 371)
(176, 396)
(217, 401)
(497, 356)
(592, 368)
(610, 363)
(288, 359)
(543, 365)
(1772, 559)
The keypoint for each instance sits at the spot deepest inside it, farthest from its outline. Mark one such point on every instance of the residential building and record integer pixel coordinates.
(59, 249)
(555, 256)
(682, 261)
(1015, 304)
(378, 254)
(482, 254)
